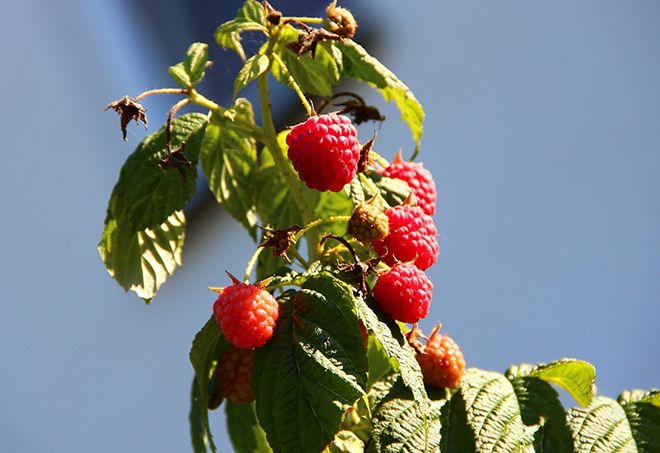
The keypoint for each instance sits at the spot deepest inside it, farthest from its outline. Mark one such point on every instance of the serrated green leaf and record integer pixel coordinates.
(575, 376)
(492, 411)
(313, 76)
(540, 406)
(209, 344)
(146, 194)
(228, 159)
(345, 442)
(388, 334)
(356, 63)
(250, 17)
(180, 76)
(401, 424)
(643, 413)
(142, 261)
(253, 68)
(601, 428)
(456, 436)
(244, 430)
(312, 369)
(195, 63)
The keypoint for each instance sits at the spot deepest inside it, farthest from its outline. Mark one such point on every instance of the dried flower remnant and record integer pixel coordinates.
(128, 110)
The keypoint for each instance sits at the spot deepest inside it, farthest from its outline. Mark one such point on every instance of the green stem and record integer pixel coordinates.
(251, 263)
(309, 20)
(282, 163)
(294, 85)
(320, 222)
(237, 125)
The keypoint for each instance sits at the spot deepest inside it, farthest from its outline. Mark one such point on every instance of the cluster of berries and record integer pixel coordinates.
(246, 315)
(325, 152)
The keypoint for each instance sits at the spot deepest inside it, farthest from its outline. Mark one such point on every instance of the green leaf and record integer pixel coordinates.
(253, 68)
(379, 361)
(244, 430)
(402, 424)
(332, 204)
(356, 63)
(402, 356)
(492, 411)
(313, 76)
(313, 368)
(209, 344)
(180, 76)
(575, 376)
(540, 406)
(198, 432)
(274, 202)
(228, 157)
(394, 191)
(142, 261)
(345, 442)
(456, 435)
(250, 17)
(601, 428)
(146, 194)
(643, 413)
(195, 62)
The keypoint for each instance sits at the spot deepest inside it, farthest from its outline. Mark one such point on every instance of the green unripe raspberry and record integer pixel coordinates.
(368, 223)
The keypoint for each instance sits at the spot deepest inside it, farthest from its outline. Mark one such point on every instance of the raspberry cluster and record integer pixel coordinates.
(246, 314)
(325, 151)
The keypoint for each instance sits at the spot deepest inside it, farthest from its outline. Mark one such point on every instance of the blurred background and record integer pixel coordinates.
(542, 131)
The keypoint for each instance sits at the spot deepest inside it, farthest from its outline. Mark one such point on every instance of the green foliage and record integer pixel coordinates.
(190, 71)
(313, 76)
(228, 157)
(312, 369)
(338, 375)
(250, 17)
(209, 344)
(253, 68)
(354, 62)
(147, 193)
(244, 430)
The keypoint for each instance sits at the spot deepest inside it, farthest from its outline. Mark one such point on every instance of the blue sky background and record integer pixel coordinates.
(542, 130)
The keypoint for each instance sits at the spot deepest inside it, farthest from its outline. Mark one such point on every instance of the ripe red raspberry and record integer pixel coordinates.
(404, 293)
(441, 360)
(324, 151)
(246, 314)
(234, 375)
(418, 178)
(368, 223)
(412, 238)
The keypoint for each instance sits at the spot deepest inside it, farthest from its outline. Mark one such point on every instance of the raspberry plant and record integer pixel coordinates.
(314, 356)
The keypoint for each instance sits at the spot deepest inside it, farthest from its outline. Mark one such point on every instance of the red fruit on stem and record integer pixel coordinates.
(404, 293)
(412, 238)
(246, 314)
(418, 178)
(234, 375)
(441, 361)
(324, 151)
